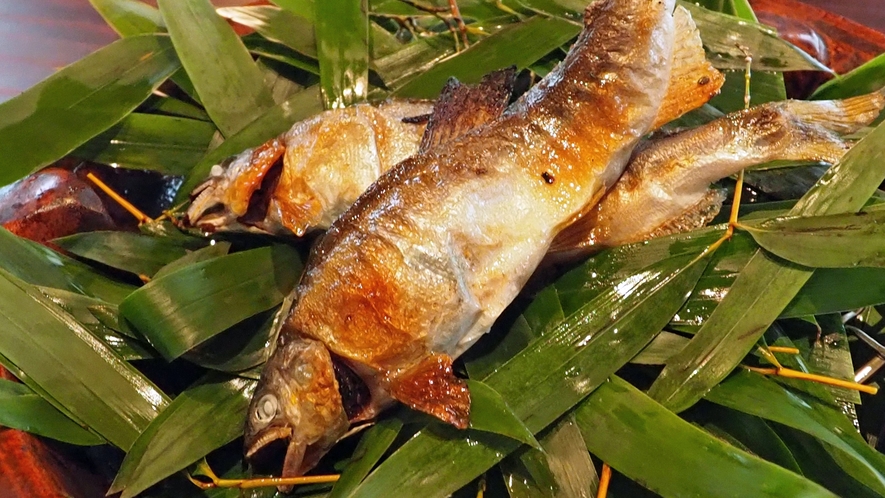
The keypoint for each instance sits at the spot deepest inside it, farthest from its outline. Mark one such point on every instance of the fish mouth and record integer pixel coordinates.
(270, 435)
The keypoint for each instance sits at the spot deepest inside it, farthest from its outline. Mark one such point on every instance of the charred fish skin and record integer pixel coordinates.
(426, 259)
(665, 188)
(309, 175)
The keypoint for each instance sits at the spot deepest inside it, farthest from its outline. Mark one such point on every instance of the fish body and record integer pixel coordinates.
(307, 177)
(428, 257)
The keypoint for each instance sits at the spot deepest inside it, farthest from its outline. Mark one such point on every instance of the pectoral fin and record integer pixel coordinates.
(431, 387)
(461, 108)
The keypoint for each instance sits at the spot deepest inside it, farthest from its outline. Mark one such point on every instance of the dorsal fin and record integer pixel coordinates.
(693, 80)
(461, 108)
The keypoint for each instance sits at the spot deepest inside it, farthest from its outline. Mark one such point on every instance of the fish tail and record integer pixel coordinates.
(840, 116)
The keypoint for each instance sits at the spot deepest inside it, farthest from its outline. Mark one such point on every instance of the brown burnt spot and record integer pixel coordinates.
(548, 177)
(705, 80)
(431, 387)
(481, 171)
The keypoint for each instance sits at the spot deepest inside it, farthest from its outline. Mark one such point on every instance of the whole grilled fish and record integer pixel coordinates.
(428, 257)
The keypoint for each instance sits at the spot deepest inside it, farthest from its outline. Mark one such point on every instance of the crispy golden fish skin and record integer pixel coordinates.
(428, 257)
(327, 162)
(665, 188)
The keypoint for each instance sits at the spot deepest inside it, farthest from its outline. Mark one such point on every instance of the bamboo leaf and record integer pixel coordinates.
(751, 433)
(520, 44)
(211, 251)
(272, 123)
(368, 452)
(129, 17)
(133, 252)
(170, 145)
(842, 240)
(21, 408)
(204, 417)
(39, 265)
(490, 413)
(229, 84)
(723, 34)
(867, 78)
(79, 372)
(303, 8)
(753, 394)
(80, 101)
(342, 39)
(277, 25)
(83, 309)
(765, 286)
(185, 308)
(561, 469)
(620, 424)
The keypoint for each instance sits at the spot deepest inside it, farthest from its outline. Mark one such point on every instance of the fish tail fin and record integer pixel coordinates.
(693, 80)
(840, 116)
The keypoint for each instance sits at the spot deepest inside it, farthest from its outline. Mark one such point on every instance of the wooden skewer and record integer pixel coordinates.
(604, 479)
(134, 211)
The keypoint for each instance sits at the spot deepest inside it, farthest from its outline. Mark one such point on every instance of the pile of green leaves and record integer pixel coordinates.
(546, 385)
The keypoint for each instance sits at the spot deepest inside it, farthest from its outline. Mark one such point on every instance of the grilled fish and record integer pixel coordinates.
(665, 188)
(311, 174)
(427, 258)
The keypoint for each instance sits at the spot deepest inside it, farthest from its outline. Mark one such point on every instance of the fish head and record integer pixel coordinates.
(237, 194)
(297, 401)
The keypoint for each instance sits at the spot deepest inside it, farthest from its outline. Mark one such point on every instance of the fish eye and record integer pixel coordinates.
(266, 409)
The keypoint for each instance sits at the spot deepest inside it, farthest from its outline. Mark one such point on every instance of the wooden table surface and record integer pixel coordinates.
(40, 36)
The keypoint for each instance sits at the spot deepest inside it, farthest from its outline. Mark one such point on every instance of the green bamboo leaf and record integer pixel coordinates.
(133, 252)
(169, 106)
(211, 251)
(241, 347)
(170, 145)
(840, 240)
(520, 44)
(819, 464)
(765, 286)
(723, 34)
(278, 52)
(831, 356)
(80, 101)
(277, 25)
(186, 307)
(572, 357)
(39, 265)
(754, 394)
(229, 84)
(303, 8)
(752, 434)
(368, 452)
(280, 118)
(867, 78)
(204, 417)
(342, 39)
(413, 58)
(620, 424)
(490, 413)
(82, 308)
(23, 409)
(129, 17)
(79, 372)
(561, 469)
(660, 349)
